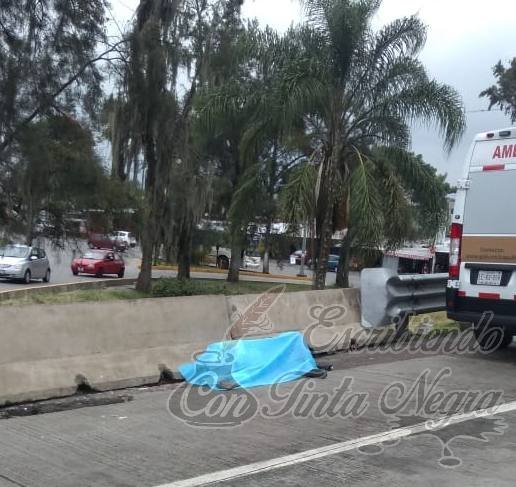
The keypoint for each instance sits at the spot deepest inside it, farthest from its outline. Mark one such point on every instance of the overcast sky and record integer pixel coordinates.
(465, 39)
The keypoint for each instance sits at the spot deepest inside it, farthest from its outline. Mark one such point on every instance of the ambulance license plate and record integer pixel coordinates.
(489, 278)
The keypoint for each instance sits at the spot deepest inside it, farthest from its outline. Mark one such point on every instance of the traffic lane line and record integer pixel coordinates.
(318, 453)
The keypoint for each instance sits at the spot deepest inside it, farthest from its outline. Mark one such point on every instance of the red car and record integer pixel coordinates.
(99, 263)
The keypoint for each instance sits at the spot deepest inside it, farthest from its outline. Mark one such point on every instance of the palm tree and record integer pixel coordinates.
(355, 89)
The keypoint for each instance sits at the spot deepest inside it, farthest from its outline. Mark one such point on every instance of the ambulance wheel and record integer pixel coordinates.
(492, 338)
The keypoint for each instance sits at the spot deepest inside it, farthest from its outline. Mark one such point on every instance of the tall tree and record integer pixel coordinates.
(503, 93)
(249, 138)
(58, 172)
(272, 142)
(167, 61)
(224, 112)
(49, 61)
(358, 88)
(192, 181)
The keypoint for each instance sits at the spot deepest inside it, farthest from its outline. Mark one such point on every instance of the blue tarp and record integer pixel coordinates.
(251, 363)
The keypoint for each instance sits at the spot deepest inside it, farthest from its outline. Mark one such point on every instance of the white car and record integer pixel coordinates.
(221, 257)
(124, 237)
(24, 263)
(252, 262)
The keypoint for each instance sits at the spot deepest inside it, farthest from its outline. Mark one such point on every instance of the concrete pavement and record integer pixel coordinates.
(140, 443)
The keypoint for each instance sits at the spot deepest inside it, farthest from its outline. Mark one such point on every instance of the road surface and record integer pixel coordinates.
(60, 260)
(141, 443)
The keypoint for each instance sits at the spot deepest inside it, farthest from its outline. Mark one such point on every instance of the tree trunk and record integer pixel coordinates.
(136, 172)
(267, 244)
(324, 224)
(236, 259)
(184, 252)
(271, 190)
(29, 231)
(156, 260)
(344, 262)
(325, 234)
(169, 253)
(149, 231)
(326, 200)
(345, 250)
(29, 237)
(144, 283)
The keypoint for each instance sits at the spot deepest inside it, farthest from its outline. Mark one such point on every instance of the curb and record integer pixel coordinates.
(63, 288)
(214, 270)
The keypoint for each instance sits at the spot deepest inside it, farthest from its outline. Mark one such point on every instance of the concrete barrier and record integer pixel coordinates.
(48, 351)
(329, 319)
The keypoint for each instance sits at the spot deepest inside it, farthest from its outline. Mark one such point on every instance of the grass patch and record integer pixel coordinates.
(199, 287)
(162, 288)
(433, 323)
(74, 297)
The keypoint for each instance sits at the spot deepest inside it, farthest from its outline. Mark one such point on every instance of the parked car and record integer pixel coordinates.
(333, 263)
(24, 263)
(126, 238)
(99, 263)
(299, 254)
(106, 242)
(221, 258)
(252, 261)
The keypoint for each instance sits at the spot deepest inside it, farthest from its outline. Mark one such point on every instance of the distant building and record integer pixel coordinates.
(423, 259)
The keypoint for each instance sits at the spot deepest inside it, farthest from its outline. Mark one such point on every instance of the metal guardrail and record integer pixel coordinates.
(389, 298)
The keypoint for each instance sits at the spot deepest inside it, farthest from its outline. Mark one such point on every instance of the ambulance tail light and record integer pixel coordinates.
(455, 250)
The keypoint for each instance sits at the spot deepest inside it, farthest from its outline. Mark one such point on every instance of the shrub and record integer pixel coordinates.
(175, 287)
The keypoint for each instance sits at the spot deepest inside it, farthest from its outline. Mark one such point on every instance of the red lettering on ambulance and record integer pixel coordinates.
(507, 152)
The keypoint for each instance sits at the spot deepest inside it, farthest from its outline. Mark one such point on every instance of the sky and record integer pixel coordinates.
(466, 38)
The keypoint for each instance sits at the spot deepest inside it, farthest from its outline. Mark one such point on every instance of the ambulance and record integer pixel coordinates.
(482, 269)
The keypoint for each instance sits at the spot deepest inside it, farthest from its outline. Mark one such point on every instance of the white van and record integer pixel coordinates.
(482, 284)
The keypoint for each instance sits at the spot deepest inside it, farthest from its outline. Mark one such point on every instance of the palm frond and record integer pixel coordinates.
(403, 37)
(366, 205)
(298, 197)
(247, 199)
(431, 103)
(425, 189)
(398, 214)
